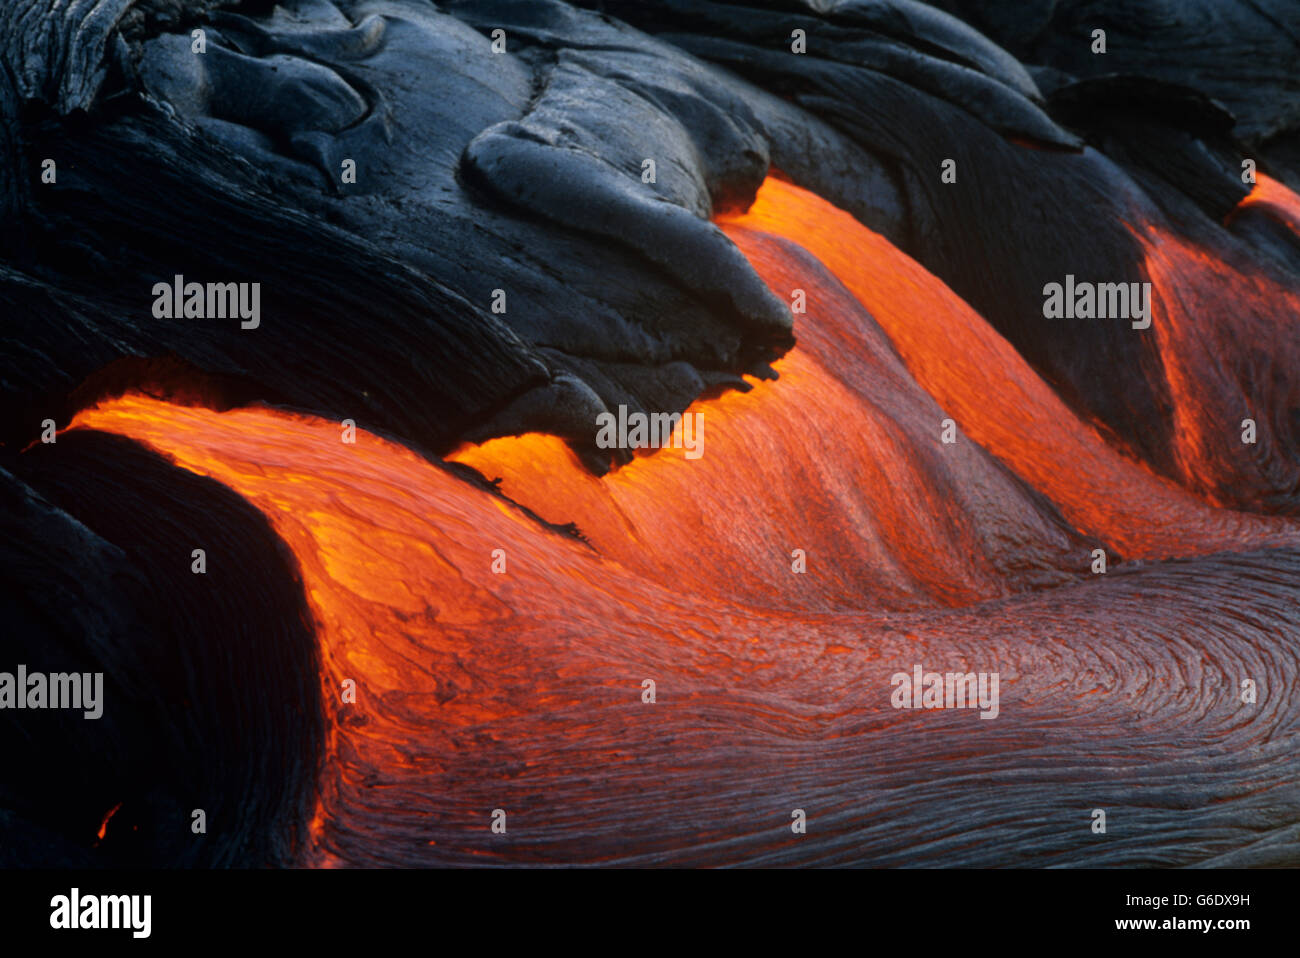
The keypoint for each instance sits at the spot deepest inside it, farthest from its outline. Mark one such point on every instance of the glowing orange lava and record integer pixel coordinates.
(448, 656)
(103, 826)
(1275, 199)
(1230, 344)
(786, 431)
(481, 686)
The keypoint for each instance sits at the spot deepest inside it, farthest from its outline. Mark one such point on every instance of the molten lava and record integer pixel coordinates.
(522, 688)
(1274, 199)
(970, 370)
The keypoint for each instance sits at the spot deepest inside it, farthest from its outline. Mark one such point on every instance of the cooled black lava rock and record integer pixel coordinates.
(211, 690)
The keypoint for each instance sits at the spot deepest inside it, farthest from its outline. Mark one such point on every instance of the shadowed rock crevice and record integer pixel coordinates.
(211, 697)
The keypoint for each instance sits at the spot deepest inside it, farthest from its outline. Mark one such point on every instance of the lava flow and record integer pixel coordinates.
(501, 665)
